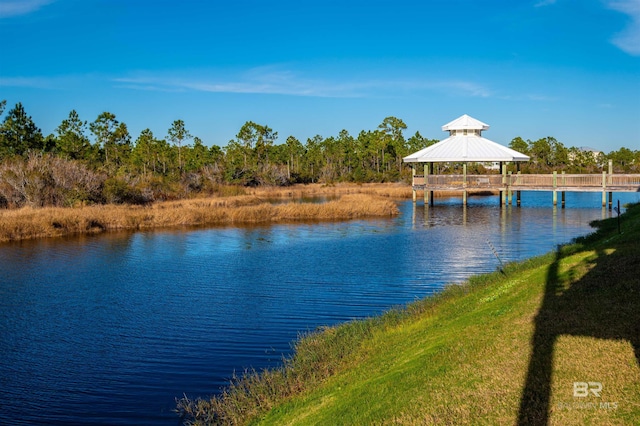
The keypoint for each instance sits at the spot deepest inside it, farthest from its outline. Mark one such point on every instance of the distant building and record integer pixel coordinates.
(593, 151)
(586, 149)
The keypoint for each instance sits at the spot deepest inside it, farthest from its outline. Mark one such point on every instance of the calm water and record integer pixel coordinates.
(111, 329)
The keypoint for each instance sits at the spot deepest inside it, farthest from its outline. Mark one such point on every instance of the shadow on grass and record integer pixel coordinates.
(604, 303)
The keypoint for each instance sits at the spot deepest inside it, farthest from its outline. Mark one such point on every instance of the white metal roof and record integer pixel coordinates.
(465, 148)
(465, 122)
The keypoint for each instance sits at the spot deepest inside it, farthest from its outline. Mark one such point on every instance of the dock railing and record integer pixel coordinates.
(614, 180)
(546, 182)
(531, 182)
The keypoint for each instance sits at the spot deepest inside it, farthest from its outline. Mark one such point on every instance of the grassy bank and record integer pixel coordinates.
(500, 349)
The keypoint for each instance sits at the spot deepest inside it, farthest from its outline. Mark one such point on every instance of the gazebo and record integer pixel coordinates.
(465, 144)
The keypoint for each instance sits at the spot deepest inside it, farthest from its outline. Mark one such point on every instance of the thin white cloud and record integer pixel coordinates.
(53, 82)
(466, 88)
(543, 3)
(256, 81)
(540, 98)
(262, 81)
(628, 39)
(21, 7)
(271, 81)
(30, 82)
(533, 97)
(144, 87)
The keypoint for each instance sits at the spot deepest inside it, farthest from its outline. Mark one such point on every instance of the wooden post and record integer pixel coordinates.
(518, 192)
(610, 200)
(564, 183)
(555, 185)
(503, 193)
(464, 184)
(413, 216)
(425, 194)
(413, 183)
(431, 192)
(509, 191)
(464, 214)
(604, 189)
(610, 193)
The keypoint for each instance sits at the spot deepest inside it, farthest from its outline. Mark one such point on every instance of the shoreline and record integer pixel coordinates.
(506, 347)
(253, 206)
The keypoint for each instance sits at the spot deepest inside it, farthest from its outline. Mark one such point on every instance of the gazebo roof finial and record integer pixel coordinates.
(465, 122)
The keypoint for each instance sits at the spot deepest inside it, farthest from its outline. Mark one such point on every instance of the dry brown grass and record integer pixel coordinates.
(28, 223)
(241, 206)
(389, 190)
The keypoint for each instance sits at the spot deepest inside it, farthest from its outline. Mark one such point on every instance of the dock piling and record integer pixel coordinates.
(555, 186)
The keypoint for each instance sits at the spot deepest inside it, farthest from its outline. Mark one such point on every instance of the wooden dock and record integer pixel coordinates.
(509, 184)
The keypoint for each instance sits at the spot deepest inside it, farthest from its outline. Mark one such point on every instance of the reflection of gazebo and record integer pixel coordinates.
(465, 144)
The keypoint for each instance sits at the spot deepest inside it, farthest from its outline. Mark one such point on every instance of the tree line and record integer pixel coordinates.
(100, 162)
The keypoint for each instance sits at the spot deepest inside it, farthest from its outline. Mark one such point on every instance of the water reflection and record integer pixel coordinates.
(110, 329)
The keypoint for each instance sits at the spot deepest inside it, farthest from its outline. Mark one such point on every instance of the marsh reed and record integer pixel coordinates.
(389, 190)
(232, 205)
(29, 223)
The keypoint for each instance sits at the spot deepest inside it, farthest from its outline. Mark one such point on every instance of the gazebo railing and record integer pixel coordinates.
(458, 181)
(484, 181)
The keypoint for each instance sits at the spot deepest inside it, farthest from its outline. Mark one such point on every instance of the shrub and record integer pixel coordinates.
(118, 191)
(45, 180)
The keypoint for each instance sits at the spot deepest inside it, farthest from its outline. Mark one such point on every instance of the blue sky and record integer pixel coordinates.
(530, 68)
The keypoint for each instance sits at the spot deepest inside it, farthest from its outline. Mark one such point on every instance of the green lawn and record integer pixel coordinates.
(502, 349)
